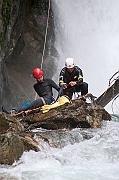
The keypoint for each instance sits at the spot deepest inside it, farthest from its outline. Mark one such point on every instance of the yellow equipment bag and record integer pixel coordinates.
(62, 100)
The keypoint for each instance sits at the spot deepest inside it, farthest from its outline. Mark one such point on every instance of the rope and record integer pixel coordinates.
(46, 32)
(60, 92)
(113, 77)
(113, 102)
(45, 36)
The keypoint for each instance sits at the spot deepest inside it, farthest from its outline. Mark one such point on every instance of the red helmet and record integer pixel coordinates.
(37, 73)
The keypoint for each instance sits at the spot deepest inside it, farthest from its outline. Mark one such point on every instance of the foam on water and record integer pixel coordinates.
(96, 158)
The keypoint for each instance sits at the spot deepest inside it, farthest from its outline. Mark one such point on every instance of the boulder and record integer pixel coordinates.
(9, 123)
(16, 137)
(12, 144)
(69, 116)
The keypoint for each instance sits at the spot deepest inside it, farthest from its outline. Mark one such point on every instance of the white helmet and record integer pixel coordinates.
(69, 63)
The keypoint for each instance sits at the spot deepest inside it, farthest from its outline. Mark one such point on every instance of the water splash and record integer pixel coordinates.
(96, 158)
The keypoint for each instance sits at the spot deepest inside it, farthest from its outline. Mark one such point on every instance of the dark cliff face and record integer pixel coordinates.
(22, 36)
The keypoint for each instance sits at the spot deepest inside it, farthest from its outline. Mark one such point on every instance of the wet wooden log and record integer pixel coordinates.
(108, 95)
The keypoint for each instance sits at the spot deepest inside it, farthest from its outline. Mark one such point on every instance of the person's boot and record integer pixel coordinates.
(5, 111)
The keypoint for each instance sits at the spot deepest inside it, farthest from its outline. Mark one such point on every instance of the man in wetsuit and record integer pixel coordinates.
(43, 88)
(71, 77)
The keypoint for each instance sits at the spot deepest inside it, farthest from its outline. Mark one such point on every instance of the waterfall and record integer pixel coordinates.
(88, 31)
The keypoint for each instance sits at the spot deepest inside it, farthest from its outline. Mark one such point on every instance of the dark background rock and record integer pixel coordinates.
(22, 36)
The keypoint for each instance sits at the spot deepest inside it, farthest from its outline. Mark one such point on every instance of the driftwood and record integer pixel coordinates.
(109, 94)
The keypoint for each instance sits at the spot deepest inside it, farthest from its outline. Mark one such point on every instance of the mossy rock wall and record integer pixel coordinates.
(22, 36)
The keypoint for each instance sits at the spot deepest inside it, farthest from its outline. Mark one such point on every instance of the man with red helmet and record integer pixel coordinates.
(37, 73)
(43, 88)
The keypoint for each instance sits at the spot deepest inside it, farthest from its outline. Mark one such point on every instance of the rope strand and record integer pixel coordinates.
(45, 36)
(46, 32)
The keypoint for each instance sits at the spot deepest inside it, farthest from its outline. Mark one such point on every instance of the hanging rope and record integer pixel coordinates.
(46, 32)
(113, 103)
(45, 36)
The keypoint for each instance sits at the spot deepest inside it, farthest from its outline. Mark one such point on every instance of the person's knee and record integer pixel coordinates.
(84, 88)
(68, 93)
(85, 84)
(38, 103)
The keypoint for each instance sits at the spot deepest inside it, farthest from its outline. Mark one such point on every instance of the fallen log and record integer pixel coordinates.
(108, 95)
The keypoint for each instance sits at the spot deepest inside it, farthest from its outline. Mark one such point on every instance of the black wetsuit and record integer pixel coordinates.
(44, 90)
(77, 76)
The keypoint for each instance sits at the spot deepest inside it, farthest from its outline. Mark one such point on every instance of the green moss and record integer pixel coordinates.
(6, 16)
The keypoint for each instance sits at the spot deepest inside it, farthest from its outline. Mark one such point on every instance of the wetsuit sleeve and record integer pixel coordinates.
(61, 76)
(36, 89)
(80, 76)
(54, 85)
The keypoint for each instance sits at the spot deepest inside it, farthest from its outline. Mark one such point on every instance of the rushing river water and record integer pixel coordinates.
(88, 31)
(95, 157)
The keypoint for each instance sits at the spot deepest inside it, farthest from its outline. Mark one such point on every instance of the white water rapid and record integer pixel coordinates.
(95, 158)
(88, 31)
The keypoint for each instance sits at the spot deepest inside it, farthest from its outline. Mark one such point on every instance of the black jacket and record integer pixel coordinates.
(44, 89)
(76, 75)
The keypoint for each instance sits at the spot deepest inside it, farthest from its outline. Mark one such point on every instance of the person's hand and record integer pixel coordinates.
(63, 84)
(72, 83)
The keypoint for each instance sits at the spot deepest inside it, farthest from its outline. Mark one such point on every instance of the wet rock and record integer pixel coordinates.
(15, 138)
(22, 35)
(69, 116)
(9, 123)
(13, 145)
(11, 148)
